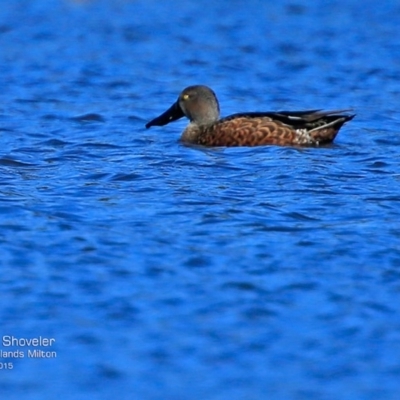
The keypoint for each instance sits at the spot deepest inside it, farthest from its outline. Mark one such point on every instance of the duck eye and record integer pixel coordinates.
(185, 96)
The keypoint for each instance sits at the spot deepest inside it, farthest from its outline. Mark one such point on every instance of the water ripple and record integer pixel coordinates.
(153, 263)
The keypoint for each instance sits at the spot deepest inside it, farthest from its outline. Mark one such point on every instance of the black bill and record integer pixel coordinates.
(172, 114)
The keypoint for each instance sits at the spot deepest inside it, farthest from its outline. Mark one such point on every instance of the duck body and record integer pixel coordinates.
(299, 128)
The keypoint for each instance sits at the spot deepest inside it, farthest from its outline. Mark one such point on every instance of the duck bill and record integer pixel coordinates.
(172, 114)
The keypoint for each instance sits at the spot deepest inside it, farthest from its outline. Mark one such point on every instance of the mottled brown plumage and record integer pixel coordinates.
(200, 105)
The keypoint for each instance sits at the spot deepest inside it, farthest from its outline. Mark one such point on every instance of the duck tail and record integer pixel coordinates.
(328, 127)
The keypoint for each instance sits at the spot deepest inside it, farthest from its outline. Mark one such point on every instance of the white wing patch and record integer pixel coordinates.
(303, 137)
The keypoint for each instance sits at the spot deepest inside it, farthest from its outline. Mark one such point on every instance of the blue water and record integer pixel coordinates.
(169, 272)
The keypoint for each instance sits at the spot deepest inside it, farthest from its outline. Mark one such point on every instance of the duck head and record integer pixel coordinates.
(198, 103)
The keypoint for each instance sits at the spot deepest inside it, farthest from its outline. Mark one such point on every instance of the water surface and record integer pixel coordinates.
(171, 272)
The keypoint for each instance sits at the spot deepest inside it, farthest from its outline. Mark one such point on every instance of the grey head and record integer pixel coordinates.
(198, 103)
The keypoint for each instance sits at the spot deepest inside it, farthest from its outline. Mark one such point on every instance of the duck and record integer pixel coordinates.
(200, 105)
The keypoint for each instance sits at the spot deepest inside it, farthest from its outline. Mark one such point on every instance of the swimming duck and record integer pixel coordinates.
(299, 128)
